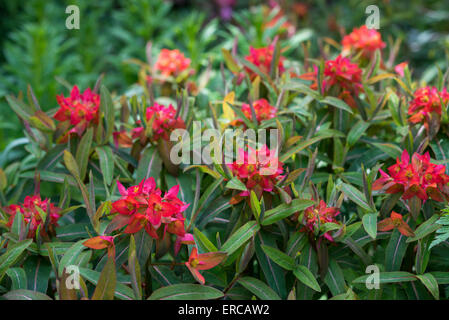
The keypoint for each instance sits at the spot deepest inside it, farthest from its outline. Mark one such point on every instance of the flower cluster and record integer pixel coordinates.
(31, 215)
(363, 40)
(163, 121)
(262, 58)
(263, 109)
(143, 206)
(341, 75)
(426, 101)
(79, 110)
(259, 170)
(171, 62)
(418, 177)
(316, 216)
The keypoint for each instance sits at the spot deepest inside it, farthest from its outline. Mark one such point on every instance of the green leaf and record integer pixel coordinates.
(306, 276)
(238, 238)
(25, 295)
(355, 195)
(431, 284)
(12, 254)
(259, 288)
(392, 150)
(236, 184)
(388, 277)
(18, 278)
(134, 269)
(106, 158)
(279, 257)
(186, 292)
(107, 110)
(230, 61)
(106, 284)
(334, 278)
(83, 151)
(203, 241)
(425, 228)
(38, 273)
(356, 132)
(337, 103)
(370, 224)
(300, 146)
(274, 274)
(285, 210)
(395, 251)
(150, 165)
(122, 292)
(71, 255)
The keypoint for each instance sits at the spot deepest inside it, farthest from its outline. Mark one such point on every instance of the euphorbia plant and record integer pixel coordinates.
(301, 216)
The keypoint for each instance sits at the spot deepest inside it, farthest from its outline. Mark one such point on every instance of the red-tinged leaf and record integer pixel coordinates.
(100, 242)
(210, 260)
(406, 230)
(385, 225)
(196, 274)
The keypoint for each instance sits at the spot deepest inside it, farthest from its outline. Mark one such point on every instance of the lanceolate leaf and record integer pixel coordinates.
(274, 274)
(260, 289)
(285, 210)
(335, 279)
(305, 276)
(150, 165)
(395, 251)
(238, 238)
(186, 292)
(106, 158)
(279, 257)
(106, 285)
(431, 284)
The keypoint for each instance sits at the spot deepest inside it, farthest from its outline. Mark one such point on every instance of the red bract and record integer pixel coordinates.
(80, 110)
(318, 215)
(427, 101)
(262, 108)
(363, 40)
(143, 206)
(259, 170)
(399, 68)
(203, 261)
(418, 177)
(262, 58)
(32, 217)
(163, 121)
(395, 222)
(171, 62)
(340, 75)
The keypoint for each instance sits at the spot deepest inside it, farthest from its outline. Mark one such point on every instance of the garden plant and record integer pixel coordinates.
(255, 160)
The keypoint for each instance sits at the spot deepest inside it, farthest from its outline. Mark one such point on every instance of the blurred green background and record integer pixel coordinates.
(37, 48)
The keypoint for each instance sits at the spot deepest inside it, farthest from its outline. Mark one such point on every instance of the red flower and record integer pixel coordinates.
(163, 123)
(427, 102)
(395, 222)
(263, 109)
(363, 39)
(418, 177)
(203, 261)
(31, 215)
(341, 74)
(80, 110)
(318, 215)
(399, 68)
(259, 170)
(261, 58)
(143, 206)
(171, 62)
